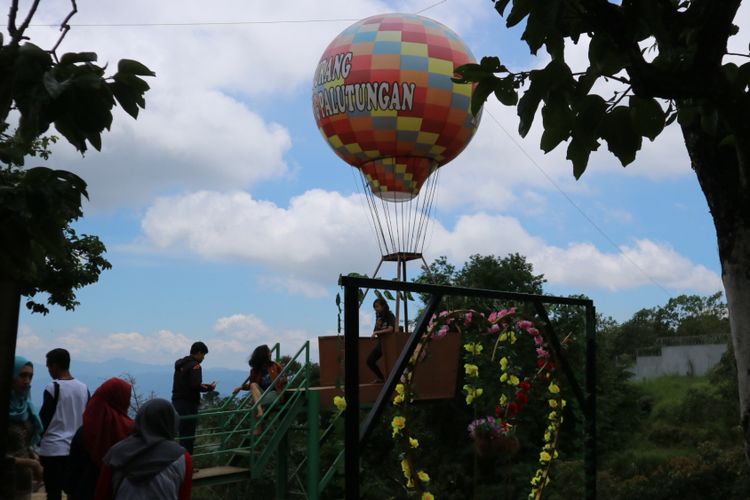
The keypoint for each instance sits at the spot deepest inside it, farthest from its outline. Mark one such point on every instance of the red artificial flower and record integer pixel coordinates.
(524, 386)
(540, 362)
(522, 398)
(512, 409)
(498, 411)
(550, 366)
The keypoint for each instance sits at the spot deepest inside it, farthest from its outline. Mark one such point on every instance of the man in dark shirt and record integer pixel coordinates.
(385, 322)
(187, 386)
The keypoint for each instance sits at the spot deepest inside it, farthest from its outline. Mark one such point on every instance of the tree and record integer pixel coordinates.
(40, 251)
(512, 273)
(688, 80)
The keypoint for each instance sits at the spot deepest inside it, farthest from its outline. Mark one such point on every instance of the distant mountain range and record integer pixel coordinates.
(156, 379)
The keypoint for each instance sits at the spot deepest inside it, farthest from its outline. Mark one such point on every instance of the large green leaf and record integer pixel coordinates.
(604, 56)
(557, 119)
(129, 66)
(647, 116)
(78, 57)
(618, 129)
(518, 12)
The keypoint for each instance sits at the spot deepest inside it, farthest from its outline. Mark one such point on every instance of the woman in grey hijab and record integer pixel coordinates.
(149, 463)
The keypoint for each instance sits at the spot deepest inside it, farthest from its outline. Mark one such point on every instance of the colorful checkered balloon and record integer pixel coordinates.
(384, 100)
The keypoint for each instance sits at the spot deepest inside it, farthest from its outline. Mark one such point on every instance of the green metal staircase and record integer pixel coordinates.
(233, 444)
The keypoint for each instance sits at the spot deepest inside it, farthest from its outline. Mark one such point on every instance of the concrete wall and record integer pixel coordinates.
(679, 360)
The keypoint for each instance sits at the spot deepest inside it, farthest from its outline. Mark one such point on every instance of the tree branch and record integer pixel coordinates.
(12, 19)
(64, 27)
(17, 35)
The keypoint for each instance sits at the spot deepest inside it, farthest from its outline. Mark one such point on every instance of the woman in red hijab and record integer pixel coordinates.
(105, 423)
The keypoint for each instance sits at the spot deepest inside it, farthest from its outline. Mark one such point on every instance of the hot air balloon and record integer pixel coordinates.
(384, 100)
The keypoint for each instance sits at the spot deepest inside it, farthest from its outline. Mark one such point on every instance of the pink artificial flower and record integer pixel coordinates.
(493, 317)
(442, 332)
(532, 331)
(538, 340)
(542, 353)
(506, 312)
(495, 328)
(468, 318)
(524, 324)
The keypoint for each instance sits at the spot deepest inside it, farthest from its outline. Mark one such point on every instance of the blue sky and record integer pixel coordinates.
(228, 218)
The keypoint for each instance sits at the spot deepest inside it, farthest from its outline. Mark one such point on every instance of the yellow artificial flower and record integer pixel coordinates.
(423, 476)
(398, 399)
(471, 370)
(474, 348)
(552, 403)
(513, 338)
(503, 399)
(428, 496)
(414, 443)
(545, 457)
(400, 389)
(548, 436)
(398, 423)
(553, 388)
(503, 363)
(513, 380)
(552, 415)
(479, 391)
(563, 403)
(405, 468)
(339, 402)
(503, 377)
(410, 483)
(503, 337)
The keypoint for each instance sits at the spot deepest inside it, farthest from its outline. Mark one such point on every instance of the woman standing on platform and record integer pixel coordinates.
(385, 322)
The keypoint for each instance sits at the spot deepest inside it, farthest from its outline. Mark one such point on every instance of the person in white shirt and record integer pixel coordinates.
(62, 414)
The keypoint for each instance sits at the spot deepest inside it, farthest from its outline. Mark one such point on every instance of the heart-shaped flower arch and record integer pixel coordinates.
(500, 330)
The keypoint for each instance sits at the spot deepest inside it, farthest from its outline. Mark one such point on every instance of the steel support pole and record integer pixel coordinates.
(313, 445)
(282, 469)
(590, 409)
(351, 391)
(10, 303)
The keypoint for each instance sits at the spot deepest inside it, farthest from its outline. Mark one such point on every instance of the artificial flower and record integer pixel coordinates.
(553, 388)
(339, 402)
(398, 423)
(414, 443)
(428, 496)
(423, 476)
(471, 370)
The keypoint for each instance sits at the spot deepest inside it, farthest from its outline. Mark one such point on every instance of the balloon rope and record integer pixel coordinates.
(374, 216)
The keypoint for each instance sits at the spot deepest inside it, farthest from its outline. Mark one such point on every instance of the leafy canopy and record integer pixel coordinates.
(40, 251)
(686, 80)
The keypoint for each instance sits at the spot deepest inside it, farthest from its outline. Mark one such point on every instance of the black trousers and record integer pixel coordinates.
(55, 475)
(372, 361)
(187, 427)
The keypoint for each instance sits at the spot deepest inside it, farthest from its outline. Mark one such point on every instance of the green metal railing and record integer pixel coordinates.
(233, 434)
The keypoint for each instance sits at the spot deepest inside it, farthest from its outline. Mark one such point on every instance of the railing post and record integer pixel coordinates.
(590, 408)
(351, 391)
(282, 455)
(313, 445)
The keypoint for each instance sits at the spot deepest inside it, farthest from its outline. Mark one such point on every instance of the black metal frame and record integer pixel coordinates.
(356, 436)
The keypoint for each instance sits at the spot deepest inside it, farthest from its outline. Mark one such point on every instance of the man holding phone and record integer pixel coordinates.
(187, 386)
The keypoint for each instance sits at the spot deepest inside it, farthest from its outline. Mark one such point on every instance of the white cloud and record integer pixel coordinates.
(234, 339)
(239, 334)
(322, 234)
